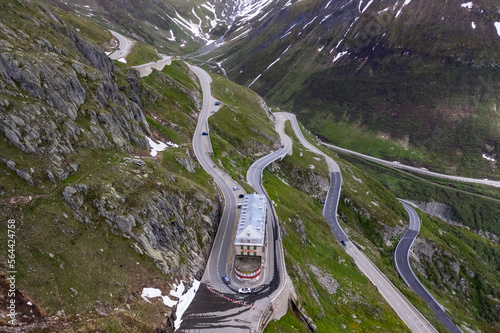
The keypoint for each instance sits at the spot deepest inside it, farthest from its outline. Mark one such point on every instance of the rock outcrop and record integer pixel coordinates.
(56, 99)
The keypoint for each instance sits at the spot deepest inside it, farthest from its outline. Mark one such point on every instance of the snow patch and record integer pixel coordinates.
(154, 292)
(488, 158)
(184, 298)
(122, 60)
(184, 301)
(357, 179)
(367, 5)
(172, 39)
(161, 146)
(321, 48)
(497, 26)
(309, 22)
(467, 5)
(269, 66)
(339, 55)
(407, 2)
(473, 25)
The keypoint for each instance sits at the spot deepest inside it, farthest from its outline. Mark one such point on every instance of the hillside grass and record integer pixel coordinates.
(476, 206)
(366, 209)
(356, 304)
(241, 130)
(465, 246)
(303, 158)
(479, 266)
(141, 54)
(447, 109)
(55, 252)
(168, 100)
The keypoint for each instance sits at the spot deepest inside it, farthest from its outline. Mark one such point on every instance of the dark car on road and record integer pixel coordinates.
(226, 279)
(343, 242)
(204, 133)
(241, 196)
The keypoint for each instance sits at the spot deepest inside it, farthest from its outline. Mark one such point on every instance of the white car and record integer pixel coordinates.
(245, 291)
(236, 188)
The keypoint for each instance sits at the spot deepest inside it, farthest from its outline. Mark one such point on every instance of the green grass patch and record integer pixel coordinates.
(355, 295)
(167, 133)
(474, 206)
(141, 54)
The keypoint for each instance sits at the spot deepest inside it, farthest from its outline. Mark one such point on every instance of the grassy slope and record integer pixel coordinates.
(426, 76)
(55, 252)
(364, 201)
(453, 244)
(476, 206)
(142, 54)
(241, 130)
(356, 304)
(168, 102)
(475, 254)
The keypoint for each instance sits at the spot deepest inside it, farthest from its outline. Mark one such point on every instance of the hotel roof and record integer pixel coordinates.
(252, 222)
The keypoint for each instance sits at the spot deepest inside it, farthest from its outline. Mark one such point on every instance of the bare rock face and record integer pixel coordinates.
(168, 227)
(436, 264)
(325, 279)
(69, 98)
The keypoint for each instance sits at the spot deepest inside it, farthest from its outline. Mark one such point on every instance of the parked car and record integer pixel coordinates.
(213, 111)
(239, 206)
(217, 103)
(204, 133)
(343, 242)
(226, 279)
(236, 188)
(241, 196)
(245, 291)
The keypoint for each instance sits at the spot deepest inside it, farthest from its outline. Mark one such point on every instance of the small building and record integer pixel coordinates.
(249, 243)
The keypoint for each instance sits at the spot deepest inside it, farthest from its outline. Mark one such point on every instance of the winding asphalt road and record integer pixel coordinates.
(218, 307)
(406, 311)
(398, 165)
(401, 256)
(124, 48)
(146, 69)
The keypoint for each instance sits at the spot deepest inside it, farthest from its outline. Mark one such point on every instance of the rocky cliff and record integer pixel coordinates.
(98, 218)
(62, 95)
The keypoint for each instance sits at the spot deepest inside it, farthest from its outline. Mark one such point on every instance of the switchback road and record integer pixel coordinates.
(398, 165)
(401, 256)
(218, 307)
(125, 45)
(406, 311)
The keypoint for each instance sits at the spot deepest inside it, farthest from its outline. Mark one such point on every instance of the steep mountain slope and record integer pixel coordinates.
(452, 260)
(97, 217)
(172, 26)
(331, 292)
(424, 72)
